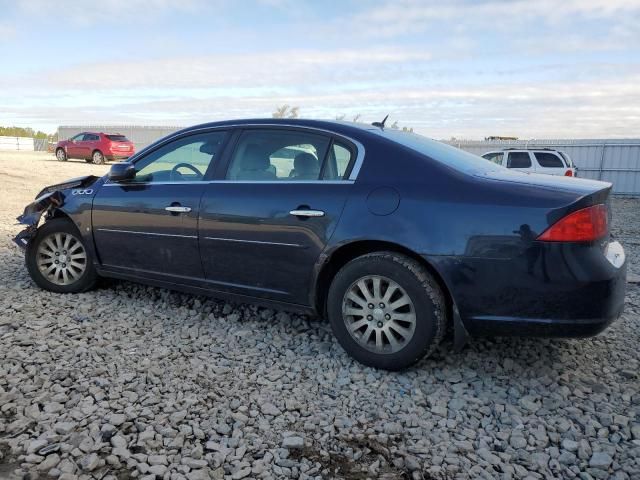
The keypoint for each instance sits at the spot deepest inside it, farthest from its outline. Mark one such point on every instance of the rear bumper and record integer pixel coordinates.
(561, 290)
(118, 156)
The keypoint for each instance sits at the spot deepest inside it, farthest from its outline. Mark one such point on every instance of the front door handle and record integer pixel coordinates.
(177, 209)
(307, 213)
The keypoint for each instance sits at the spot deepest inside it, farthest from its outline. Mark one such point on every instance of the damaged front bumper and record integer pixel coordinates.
(32, 214)
(49, 199)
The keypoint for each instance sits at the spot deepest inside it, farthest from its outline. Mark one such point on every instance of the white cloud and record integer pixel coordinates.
(81, 13)
(596, 108)
(402, 17)
(299, 68)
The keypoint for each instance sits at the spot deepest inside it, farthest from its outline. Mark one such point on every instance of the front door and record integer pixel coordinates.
(263, 228)
(148, 226)
(74, 146)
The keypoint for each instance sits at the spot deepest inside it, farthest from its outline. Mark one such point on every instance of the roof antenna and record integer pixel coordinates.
(380, 124)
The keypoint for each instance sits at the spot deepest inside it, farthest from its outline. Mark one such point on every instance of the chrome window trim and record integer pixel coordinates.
(204, 182)
(115, 230)
(353, 176)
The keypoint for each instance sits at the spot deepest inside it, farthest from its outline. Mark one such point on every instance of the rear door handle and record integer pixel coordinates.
(307, 213)
(177, 209)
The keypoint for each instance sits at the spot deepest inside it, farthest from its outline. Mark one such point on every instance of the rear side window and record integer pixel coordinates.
(91, 137)
(518, 160)
(117, 138)
(548, 160)
(271, 155)
(338, 162)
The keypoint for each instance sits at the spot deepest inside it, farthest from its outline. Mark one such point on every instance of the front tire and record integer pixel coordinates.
(61, 155)
(98, 158)
(58, 260)
(386, 310)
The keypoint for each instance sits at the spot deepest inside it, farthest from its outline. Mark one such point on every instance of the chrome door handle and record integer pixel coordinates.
(307, 213)
(177, 209)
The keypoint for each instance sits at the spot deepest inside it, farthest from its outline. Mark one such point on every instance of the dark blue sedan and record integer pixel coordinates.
(392, 236)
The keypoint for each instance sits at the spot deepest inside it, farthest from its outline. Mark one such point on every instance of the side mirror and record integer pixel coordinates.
(122, 171)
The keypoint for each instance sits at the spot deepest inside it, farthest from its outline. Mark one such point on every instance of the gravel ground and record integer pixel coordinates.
(136, 382)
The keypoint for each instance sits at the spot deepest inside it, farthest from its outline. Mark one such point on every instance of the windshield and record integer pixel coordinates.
(441, 152)
(117, 138)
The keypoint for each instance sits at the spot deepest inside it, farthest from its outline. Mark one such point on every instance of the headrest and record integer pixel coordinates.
(304, 163)
(254, 158)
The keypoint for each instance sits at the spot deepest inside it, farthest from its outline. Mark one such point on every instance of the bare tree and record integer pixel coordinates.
(394, 125)
(340, 117)
(293, 113)
(285, 111)
(356, 118)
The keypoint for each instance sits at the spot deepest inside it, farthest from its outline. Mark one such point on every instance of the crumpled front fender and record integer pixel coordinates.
(33, 212)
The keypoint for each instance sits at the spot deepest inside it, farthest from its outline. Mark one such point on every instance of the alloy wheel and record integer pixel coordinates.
(61, 258)
(379, 314)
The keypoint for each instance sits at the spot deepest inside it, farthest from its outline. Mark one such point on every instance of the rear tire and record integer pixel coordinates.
(97, 158)
(61, 155)
(58, 260)
(386, 310)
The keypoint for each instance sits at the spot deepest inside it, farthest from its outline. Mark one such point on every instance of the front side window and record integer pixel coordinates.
(78, 138)
(186, 159)
(548, 160)
(272, 155)
(518, 160)
(496, 158)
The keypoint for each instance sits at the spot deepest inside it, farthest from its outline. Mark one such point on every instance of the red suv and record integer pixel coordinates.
(95, 147)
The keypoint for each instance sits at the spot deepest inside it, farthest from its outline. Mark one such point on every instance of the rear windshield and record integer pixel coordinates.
(117, 138)
(441, 152)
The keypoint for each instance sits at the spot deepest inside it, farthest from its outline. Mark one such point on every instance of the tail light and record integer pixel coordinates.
(585, 225)
(568, 173)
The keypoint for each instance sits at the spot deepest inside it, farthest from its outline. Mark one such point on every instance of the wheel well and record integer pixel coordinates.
(356, 249)
(96, 150)
(57, 213)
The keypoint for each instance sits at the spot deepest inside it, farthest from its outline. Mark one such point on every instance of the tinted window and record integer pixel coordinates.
(518, 160)
(438, 151)
(548, 160)
(267, 155)
(496, 158)
(118, 138)
(183, 160)
(91, 137)
(338, 162)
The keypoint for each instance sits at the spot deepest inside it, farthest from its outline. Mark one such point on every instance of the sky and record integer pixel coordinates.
(460, 68)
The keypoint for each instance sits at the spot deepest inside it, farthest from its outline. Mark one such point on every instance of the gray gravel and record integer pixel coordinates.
(137, 382)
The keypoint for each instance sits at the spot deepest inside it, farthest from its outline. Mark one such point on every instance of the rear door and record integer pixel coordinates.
(87, 145)
(265, 223)
(520, 160)
(550, 163)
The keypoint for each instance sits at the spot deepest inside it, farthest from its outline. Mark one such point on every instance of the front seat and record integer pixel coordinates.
(255, 164)
(306, 166)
